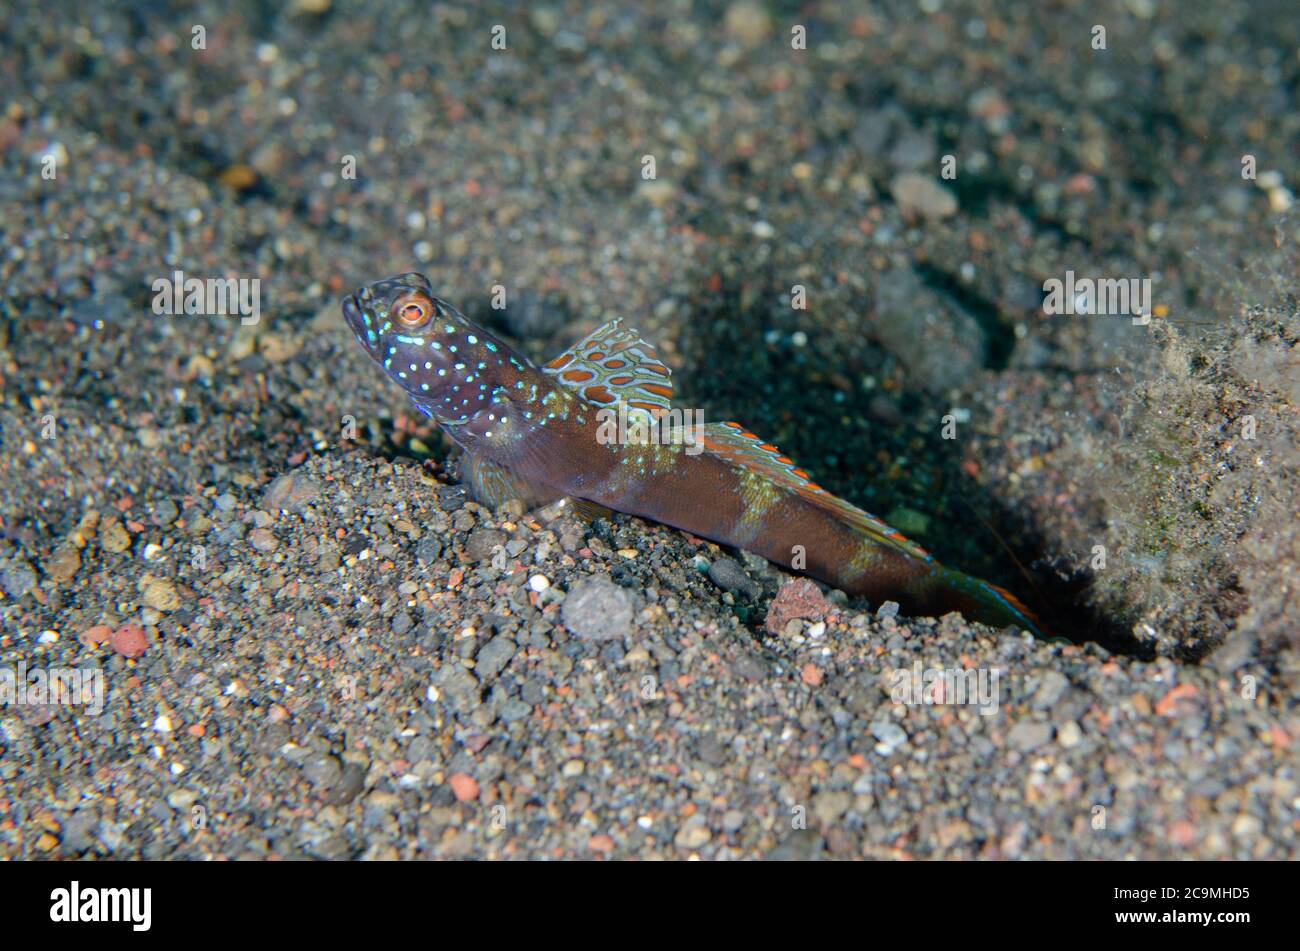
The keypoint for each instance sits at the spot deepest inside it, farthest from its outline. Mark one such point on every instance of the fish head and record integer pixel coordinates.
(424, 344)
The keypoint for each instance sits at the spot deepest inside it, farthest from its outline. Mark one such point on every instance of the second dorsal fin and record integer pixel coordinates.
(738, 446)
(613, 364)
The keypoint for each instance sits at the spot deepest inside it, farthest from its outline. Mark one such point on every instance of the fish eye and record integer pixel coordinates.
(413, 309)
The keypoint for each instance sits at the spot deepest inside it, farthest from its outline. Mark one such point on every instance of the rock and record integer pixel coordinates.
(1029, 735)
(428, 549)
(494, 656)
(96, 634)
(596, 609)
(918, 194)
(163, 512)
(829, 805)
(278, 348)
(113, 537)
(747, 23)
(63, 564)
(160, 594)
(129, 640)
(322, 770)
(797, 598)
(693, 834)
(289, 492)
(17, 577)
(482, 542)
(263, 540)
(182, 800)
(1069, 734)
(1051, 688)
(887, 610)
(727, 574)
(78, 832)
(464, 787)
(890, 736)
(939, 343)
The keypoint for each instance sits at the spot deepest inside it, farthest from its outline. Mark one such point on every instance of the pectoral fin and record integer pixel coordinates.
(493, 485)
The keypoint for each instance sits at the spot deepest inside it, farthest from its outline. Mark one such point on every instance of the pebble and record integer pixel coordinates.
(703, 734)
(160, 594)
(182, 800)
(17, 577)
(482, 543)
(494, 656)
(728, 575)
(828, 806)
(129, 640)
(693, 834)
(908, 521)
(428, 549)
(890, 735)
(596, 609)
(322, 770)
(96, 634)
(113, 537)
(796, 599)
(1068, 734)
(1029, 735)
(464, 787)
(289, 492)
(163, 512)
(263, 539)
(748, 23)
(63, 564)
(918, 194)
(1051, 687)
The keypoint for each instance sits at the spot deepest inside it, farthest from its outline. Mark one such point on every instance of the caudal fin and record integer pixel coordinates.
(947, 589)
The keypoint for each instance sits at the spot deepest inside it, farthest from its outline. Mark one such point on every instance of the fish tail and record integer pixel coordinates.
(946, 589)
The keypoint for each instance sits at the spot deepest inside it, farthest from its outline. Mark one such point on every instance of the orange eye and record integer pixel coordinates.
(413, 309)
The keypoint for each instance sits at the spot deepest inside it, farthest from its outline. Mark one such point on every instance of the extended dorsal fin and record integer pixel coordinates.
(737, 445)
(613, 364)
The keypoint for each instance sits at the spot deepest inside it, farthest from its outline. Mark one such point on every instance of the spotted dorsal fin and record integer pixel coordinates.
(738, 446)
(613, 364)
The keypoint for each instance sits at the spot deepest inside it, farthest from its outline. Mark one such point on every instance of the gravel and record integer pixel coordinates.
(307, 631)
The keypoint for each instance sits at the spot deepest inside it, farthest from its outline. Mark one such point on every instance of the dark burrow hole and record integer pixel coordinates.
(797, 399)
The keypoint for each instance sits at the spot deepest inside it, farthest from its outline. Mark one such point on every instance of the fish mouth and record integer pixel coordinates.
(359, 323)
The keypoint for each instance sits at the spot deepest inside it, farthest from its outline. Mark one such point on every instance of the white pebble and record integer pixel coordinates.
(539, 583)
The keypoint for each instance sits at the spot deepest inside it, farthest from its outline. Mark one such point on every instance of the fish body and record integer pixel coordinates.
(541, 433)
